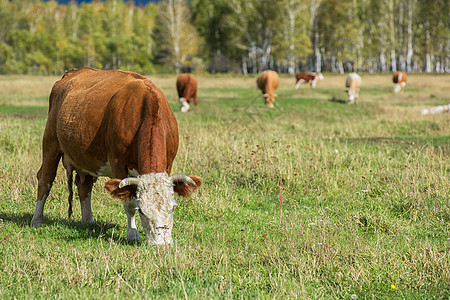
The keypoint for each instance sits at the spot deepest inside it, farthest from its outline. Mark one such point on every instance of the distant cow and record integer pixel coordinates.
(268, 83)
(399, 79)
(187, 90)
(308, 78)
(116, 124)
(353, 83)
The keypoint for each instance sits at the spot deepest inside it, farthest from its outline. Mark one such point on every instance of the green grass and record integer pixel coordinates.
(312, 199)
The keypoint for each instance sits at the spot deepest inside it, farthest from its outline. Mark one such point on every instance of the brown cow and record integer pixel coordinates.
(268, 83)
(399, 80)
(187, 90)
(308, 78)
(353, 84)
(116, 124)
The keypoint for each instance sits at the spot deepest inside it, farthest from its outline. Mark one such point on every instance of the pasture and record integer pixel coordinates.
(311, 199)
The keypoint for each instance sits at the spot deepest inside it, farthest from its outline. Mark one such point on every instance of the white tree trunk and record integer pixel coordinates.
(393, 62)
(409, 52)
(382, 61)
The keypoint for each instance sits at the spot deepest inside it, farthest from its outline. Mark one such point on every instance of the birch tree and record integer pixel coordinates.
(179, 39)
(209, 18)
(314, 33)
(292, 42)
(255, 23)
(338, 31)
(410, 13)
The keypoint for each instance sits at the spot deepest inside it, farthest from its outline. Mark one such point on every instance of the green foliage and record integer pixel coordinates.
(43, 37)
(47, 38)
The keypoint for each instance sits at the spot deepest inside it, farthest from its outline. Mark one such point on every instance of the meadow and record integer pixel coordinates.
(314, 199)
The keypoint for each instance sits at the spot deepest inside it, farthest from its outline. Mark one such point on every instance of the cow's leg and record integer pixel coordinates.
(130, 210)
(196, 101)
(300, 81)
(84, 185)
(46, 175)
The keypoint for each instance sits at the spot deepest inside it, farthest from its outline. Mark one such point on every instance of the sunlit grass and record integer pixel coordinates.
(313, 199)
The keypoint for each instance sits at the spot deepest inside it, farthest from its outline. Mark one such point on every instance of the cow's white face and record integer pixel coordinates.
(184, 105)
(352, 95)
(152, 195)
(155, 203)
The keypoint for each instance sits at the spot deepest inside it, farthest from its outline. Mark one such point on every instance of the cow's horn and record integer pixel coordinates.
(182, 178)
(129, 181)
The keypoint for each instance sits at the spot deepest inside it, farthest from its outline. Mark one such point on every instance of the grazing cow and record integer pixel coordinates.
(436, 110)
(116, 124)
(308, 78)
(187, 89)
(399, 79)
(353, 83)
(268, 83)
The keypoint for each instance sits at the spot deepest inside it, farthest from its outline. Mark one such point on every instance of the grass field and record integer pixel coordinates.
(312, 199)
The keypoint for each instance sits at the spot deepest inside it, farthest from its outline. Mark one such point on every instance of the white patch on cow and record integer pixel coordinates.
(298, 83)
(130, 210)
(38, 217)
(399, 77)
(184, 105)
(313, 83)
(352, 95)
(403, 84)
(397, 88)
(155, 201)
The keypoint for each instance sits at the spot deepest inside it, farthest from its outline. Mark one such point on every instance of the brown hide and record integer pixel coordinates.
(187, 87)
(98, 117)
(268, 83)
(399, 77)
(306, 77)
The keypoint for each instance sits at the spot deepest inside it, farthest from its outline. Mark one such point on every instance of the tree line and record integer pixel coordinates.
(242, 36)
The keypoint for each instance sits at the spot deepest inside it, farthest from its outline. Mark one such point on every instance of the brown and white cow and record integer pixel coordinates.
(308, 78)
(116, 124)
(268, 83)
(353, 84)
(187, 90)
(399, 80)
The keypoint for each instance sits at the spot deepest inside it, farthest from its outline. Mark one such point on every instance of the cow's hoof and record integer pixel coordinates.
(37, 223)
(133, 235)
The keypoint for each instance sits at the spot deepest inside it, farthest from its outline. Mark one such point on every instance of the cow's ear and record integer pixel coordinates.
(185, 189)
(124, 194)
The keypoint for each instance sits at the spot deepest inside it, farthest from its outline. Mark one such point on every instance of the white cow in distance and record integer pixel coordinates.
(353, 83)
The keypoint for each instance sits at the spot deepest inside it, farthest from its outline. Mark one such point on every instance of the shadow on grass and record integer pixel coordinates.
(23, 112)
(340, 101)
(95, 230)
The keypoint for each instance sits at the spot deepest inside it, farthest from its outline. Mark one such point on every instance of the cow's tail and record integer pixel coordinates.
(70, 187)
(69, 173)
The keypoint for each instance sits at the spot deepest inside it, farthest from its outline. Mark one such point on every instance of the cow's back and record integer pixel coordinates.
(186, 83)
(353, 81)
(399, 77)
(96, 113)
(268, 81)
